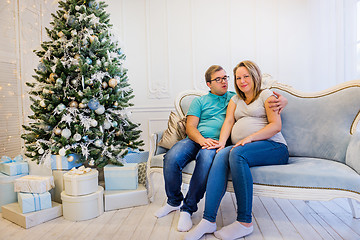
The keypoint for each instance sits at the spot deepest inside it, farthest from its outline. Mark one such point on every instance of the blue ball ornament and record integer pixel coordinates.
(60, 107)
(71, 20)
(93, 104)
(88, 61)
(115, 124)
(41, 67)
(85, 138)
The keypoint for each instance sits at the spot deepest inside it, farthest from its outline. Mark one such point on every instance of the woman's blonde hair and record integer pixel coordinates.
(255, 74)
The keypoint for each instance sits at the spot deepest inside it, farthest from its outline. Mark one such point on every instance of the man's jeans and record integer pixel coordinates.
(174, 161)
(239, 161)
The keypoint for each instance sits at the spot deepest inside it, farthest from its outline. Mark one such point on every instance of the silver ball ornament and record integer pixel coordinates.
(100, 110)
(93, 123)
(98, 143)
(42, 103)
(66, 133)
(73, 104)
(41, 151)
(62, 152)
(77, 137)
(107, 124)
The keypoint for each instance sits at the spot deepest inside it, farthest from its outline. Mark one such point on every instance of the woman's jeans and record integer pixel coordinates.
(239, 160)
(175, 160)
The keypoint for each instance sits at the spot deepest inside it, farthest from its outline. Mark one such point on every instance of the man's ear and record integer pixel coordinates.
(208, 84)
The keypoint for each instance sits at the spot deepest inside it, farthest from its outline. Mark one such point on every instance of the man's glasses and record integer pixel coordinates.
(219, 80)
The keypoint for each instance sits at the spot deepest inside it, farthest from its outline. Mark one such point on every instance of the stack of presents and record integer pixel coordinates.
(73, 191)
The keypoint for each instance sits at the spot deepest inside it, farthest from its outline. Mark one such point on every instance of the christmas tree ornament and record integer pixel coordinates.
(88, 61)
(107, 124)
(33, 154)
(118, 133)
(66, 15)
(98, 143)
(52, 77)
(89, 82)
(41, 67)
(66, 133)
(82, 105)
(73, 104)
(77, 8)
(114, 123)
(77, 56)
(74, 82)
(112, 82)
(60, 34)
(93, 123)
(71, 20)
(104, 85)
(80, 93)
(77, 137)
(57, 131)
(92, 38)
(61, 107)
(106, 64)
(100, 110)
(85, 138)
(91, 162)
(116, 104)
(41, 151)
(93, 104)
(62, 152)
(59, 82)
(42, 103)
(70, 158)
(98, 62)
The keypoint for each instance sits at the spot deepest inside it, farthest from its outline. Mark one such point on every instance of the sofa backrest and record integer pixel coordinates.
(317, 125)
(320, 125)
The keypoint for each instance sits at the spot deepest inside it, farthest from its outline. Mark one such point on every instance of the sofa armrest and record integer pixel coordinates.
(353, 152)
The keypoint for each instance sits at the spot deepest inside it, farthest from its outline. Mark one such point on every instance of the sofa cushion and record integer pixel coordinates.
(353, 152)
(299, 172)
(175, 131)
(308, 172)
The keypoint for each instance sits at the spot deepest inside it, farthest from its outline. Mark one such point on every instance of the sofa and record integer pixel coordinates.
(323, 141)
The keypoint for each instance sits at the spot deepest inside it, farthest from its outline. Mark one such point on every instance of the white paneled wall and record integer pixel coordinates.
(170, 43)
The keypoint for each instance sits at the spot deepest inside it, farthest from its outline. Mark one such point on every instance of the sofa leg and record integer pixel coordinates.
(150, 187)
(354, 208)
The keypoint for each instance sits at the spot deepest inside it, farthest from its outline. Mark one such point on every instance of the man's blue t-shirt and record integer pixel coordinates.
(211, 111)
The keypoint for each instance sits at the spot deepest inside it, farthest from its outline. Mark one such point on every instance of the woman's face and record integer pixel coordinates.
(244, 80)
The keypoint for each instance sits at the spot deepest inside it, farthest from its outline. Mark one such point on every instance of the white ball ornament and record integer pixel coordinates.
(33, 154)
(66, 133)
(112, 82)
(42, 103)
(41, 151)
(93, 123)
(77, 137)
(99, 143)
(107, 124)
(62, 152)
(100, 110)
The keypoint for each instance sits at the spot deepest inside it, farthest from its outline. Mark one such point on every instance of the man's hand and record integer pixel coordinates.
(208, 142)
(279, 103)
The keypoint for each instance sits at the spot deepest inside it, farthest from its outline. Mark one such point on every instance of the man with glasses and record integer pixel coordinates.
(204, 121)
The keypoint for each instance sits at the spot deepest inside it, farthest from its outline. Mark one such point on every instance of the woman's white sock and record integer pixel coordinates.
(202, 228)
(233, 231)
(165, 210)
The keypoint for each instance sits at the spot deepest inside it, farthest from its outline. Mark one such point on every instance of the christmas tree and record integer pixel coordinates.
(81, 93)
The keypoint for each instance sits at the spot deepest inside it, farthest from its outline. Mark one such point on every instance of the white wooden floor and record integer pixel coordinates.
(273, 219)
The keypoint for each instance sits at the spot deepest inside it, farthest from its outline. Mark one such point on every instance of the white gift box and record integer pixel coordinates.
(80, 208)
(31, 202)
(7, 193)
(121, 177)
(77, 185)
(59, 185)
(34, 184)
(115, 199)
(12, 212)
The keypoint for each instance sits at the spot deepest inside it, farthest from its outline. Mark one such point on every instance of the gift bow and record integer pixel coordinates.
(81, 170)
(6, 159)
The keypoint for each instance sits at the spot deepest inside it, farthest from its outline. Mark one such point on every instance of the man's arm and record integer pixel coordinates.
(278, 104)
(194, 134)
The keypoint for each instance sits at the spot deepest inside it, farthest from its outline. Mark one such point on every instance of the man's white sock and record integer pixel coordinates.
(233, 231)
(203, 227)
(185, 223)
(165, 210)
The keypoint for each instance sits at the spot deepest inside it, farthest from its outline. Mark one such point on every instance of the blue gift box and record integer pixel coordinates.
(136, 157)
(7, 193)
(62, 162)
(14, 166)
(121, 177)
(31, 202)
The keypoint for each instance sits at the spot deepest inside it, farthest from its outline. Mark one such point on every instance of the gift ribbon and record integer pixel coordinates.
(37, 204)
(59, 162)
